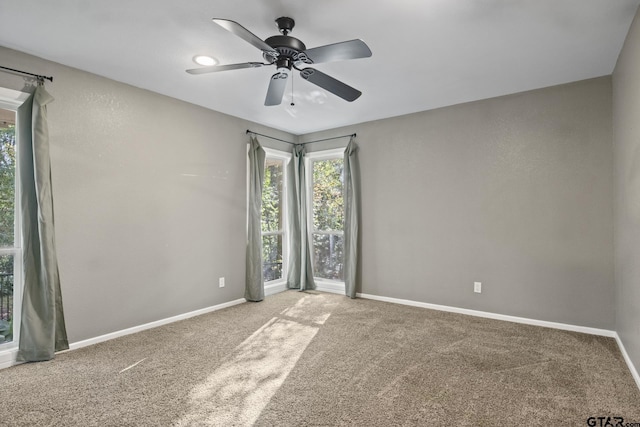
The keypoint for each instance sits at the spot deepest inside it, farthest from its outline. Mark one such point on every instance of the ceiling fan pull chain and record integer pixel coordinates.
(292, 103)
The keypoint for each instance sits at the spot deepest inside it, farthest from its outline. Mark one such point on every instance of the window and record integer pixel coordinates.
(325, 177)
(273, 216)
(10, 240)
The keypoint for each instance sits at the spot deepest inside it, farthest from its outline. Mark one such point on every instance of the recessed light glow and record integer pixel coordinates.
(204, 60)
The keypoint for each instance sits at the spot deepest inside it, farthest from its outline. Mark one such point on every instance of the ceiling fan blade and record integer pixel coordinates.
(351, 49)
(244, 34)
(277, 85)
(216, 68)
(334, 86)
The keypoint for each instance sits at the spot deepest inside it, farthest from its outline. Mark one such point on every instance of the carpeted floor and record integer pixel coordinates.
(315, 359)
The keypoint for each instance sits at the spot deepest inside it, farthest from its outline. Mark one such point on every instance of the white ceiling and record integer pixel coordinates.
(426, 54)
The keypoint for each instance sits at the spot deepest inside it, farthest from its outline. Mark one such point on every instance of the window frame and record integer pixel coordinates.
(323, 284)
(285, 157)
(11, 100)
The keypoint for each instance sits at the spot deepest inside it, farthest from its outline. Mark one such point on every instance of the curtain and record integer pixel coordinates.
(351, 216)
(300, 275)
(42, 327)
(254, 286)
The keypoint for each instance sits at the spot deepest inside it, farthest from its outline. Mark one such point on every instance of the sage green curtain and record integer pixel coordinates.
(300, 273)
(254, 286)
(351, 217)
(42, 327)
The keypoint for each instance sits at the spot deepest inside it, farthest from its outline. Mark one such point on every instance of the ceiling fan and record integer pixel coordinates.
(286, 52)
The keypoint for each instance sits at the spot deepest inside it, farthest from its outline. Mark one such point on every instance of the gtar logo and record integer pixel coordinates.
(605, 421)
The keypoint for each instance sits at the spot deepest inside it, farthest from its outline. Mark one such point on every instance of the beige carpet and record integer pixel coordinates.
(314, 359)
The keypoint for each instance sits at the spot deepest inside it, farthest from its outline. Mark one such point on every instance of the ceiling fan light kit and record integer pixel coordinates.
(287, 53)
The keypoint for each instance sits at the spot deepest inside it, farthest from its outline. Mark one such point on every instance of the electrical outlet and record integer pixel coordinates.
(221, 282)
(477, 287)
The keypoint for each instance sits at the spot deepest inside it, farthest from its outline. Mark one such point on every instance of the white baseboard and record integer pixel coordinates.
(123, 332)
(632, 368)
(275, 288)
(488, 315)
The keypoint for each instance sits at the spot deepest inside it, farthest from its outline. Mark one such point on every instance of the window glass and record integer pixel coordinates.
(272, 219)
(6, 298)
(328, 204)
(8, 252)
(328, 256)
(328, 218)
(272, 257)
(7, 178)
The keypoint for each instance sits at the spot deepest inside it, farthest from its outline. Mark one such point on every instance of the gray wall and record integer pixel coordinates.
(150, 199)
(514, 192)
(626, 131)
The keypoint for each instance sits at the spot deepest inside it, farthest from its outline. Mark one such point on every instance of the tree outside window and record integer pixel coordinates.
(7, 225)
(272, 219)
(328, 218)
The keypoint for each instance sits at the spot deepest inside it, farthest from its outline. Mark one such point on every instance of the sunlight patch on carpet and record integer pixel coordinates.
(312, 308)
(238, 391)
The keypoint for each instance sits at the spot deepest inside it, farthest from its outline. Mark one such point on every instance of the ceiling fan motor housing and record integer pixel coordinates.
(287, 47)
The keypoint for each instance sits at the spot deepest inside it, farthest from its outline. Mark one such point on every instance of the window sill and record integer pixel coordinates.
(331, 286)
(275, 287)
(8, 355)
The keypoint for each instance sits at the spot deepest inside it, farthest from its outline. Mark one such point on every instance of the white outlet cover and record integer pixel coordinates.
(221, 282)
(477, 287)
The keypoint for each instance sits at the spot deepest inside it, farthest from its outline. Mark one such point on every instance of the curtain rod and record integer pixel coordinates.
(303, 143)
(271, 137)
(39, 76)
(351, 135)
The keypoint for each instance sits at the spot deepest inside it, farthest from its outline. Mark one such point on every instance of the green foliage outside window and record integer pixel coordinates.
(328, 216)
(328, 203)
(272, 199)
(272, 196)
(7, 213)
(7, 184)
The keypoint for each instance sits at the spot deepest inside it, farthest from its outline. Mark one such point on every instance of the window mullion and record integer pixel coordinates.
(328, 232)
